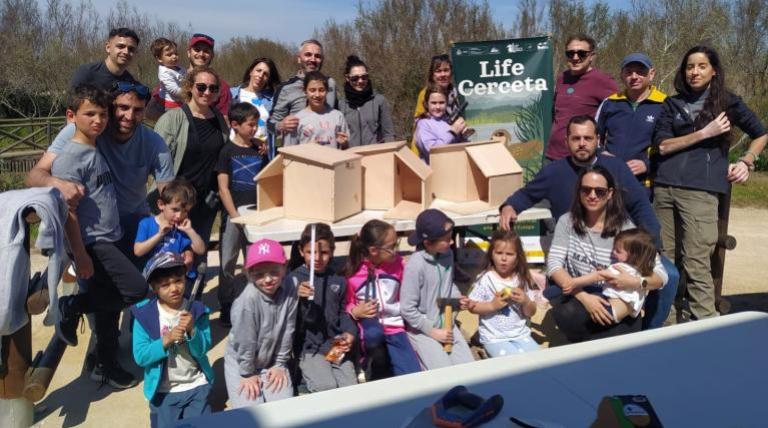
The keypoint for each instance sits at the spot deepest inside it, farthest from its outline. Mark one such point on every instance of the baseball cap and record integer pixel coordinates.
(162, 260)
(201, 38)
(264, 251)
(637, 57)
(431, 224)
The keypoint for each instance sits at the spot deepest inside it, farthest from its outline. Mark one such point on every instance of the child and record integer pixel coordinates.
(171, 345)
(240, 160)
(171, 230)
(92, 229)
(503, 298)
(322, 319)
(635, 254)
(263, 320)
(429, 276)
(168, 72)
(318, 122)
(433, 128)
(374, 275)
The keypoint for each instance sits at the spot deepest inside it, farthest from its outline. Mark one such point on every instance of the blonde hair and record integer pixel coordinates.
(189, 80)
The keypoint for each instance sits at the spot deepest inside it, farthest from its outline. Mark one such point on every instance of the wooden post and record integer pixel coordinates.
(724, 242)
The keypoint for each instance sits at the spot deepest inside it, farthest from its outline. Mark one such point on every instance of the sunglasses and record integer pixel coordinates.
(201, 87)
(582, 54)
(600, 192)
(124, 87)
(359, 77)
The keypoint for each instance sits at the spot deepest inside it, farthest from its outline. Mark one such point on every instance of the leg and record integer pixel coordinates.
(202, 218)
(430, 352)
(166, 409)
(659, 302)
(317, 372)
(402, 356)
(344, 373)
(196, 402)
(461, 353)
(231, 244)
(285, 392)
(232, 379)
(698, 213)
(571, 318)
(113, 271)
(500, 349)
(620, 309)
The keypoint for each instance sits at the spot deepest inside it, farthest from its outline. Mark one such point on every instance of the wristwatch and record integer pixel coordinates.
(643, 283)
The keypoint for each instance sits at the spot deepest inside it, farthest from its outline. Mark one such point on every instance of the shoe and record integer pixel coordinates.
(224, 313)
(69, 318)
(113, 375)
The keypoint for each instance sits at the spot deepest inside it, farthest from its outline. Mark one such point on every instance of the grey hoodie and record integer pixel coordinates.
(370, 123)
(425, 279)
(262, 328)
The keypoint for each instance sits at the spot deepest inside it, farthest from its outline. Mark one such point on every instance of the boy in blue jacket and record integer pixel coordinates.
(171, 345)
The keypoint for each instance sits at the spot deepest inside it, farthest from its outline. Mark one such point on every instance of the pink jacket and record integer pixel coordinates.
(385, 287)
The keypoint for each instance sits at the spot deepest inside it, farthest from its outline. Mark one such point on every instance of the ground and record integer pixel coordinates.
(73, 399)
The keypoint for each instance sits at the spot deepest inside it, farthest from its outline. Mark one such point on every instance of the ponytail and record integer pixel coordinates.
(372, 234)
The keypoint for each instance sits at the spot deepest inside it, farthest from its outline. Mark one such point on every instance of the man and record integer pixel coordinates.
(625, 120)
(200, 52)
(556, 182)
(290, 98)
(121, 47)
(133, 153)
(578, 91)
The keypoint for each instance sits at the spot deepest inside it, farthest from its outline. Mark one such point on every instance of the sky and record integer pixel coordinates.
(270, 19)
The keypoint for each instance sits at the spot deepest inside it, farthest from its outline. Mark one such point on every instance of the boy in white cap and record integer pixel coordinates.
(263, 322)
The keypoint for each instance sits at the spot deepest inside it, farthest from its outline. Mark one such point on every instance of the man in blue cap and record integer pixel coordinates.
(625, 120)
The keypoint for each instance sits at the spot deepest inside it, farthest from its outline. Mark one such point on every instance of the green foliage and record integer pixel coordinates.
(754, 193)
(530, 121)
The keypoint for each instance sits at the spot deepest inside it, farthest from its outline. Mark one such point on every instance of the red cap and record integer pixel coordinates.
(201, 38)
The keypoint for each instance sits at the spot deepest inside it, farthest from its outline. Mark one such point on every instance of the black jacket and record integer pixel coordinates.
(704, 165)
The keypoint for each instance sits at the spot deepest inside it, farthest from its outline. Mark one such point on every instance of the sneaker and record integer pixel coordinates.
(113, 375)
(224, 313)
(69, 318)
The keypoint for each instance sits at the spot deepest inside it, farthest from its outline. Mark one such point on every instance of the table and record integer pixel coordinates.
(709, 373)
(284, 230)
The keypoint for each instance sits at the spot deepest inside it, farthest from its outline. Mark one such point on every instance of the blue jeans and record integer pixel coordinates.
(659, 302)
(166, 409)
(510, 347)
(402, 357)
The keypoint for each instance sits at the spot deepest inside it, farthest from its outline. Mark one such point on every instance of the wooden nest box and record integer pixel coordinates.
(310, 182)
(394, 179)
(473, 177)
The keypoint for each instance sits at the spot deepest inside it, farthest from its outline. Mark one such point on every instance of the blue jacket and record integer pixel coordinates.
(148, 351)
(556, 182)
(626, 130)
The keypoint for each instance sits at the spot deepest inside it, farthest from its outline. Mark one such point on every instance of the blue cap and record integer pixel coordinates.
(637, 57)
(431, 224)
(162, 260)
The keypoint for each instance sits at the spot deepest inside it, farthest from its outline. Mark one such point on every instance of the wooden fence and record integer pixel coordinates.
(23, 141)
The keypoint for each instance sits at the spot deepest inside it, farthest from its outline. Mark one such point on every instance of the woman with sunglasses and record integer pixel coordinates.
(367, 112)
(693, 137)
(195, 133)
(258, 87)
(582, 244)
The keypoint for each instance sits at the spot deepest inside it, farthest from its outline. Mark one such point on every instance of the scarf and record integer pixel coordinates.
(355, 98)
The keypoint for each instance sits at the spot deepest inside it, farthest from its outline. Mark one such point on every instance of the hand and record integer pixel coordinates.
(441, 335)
(83, 265)
(738, 172)
(517, 295)
(719, 125)
(262, 148)
(289, 124)
(500, 300)
(348, 341)
(71, 191)
(277, 378)
(507, 216)
(189, 258)
(458, 126)
(186, 322)
(365, 309)
(637, 166)
(163, 226)
(595, 306)
(305, 290)
(177, 334)
(342, 138)
(185, 225)
(621, 281)
(251, 386)
(464, 303)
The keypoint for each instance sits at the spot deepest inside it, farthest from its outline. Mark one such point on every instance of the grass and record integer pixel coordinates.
(752, 194)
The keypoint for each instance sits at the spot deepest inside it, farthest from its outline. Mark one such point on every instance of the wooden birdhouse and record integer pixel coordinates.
(394, 179)
(473, 177)
(310, 182)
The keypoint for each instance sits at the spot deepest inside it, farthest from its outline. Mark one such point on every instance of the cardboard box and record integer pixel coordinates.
(473, 177)
(310, 182)
(394, 179)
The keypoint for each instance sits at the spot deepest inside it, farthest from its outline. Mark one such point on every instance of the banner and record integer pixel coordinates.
(509, 86)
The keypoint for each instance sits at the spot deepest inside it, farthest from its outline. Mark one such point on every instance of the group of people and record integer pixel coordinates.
(610, 257)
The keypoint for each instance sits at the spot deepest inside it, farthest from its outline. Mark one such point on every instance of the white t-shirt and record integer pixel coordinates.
(506, 324)
(181, 370)
(260, 104)
(170, 82)
(636, 298)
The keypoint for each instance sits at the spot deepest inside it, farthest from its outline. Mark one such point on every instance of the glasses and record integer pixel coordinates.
(581, 54)
(600, 192)
(392, 249)
(123, 87)
(201, 87)
(359, 77)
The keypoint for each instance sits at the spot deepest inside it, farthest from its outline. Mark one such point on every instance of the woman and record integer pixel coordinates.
(441, 74)
(258, 87)
(366, 111)
(195, 133)
(582, 244)
(693, 137)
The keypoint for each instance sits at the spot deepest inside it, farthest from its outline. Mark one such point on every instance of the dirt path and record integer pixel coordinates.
(73, 399)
